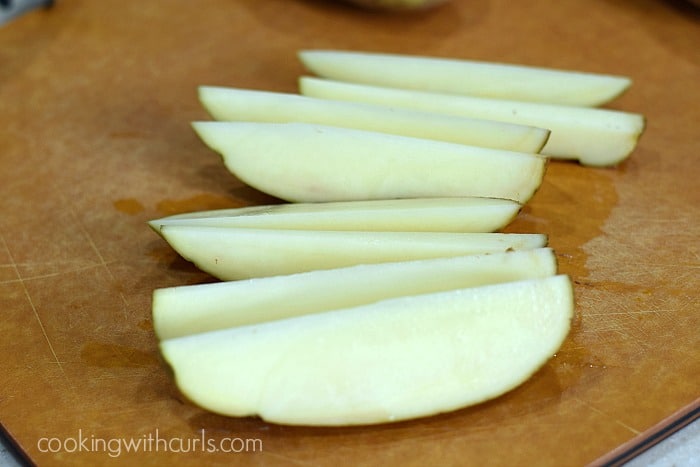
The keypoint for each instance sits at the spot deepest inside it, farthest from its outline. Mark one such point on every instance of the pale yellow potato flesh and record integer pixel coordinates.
(302, 162)
(392, 360)
(193, 309)
(466, 77)
(595, 137)
(242, 253)
(407, 215)
(231, 104)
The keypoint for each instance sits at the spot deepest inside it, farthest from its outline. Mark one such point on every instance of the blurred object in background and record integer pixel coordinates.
(399, 5)
(10, 9)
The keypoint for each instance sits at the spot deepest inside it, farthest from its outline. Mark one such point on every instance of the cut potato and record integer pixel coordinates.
(229, 104)
(408, 215)
(465, 77)
(310, 163)
(391, 360)
(596, 137)
(192, 309)
(240, 253)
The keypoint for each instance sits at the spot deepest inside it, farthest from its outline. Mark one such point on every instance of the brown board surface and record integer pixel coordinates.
(96, 98)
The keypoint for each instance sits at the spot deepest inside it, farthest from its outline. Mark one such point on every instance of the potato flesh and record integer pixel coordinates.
(414, 215)
(184, 310)
(239, 253)
(399, 340)
(596, 137)
(465, 77)
(317, 163)
(230, 104)
(392, 360)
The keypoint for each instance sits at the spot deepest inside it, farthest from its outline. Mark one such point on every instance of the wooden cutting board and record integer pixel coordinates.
(95, 103)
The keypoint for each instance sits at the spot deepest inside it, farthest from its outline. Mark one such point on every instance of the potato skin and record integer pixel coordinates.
(396, 4)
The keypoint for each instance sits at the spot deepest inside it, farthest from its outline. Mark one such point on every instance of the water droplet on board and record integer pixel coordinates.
(129, 206)
(201, 202)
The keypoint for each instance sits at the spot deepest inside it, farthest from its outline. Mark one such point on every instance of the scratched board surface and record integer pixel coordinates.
(95, 104)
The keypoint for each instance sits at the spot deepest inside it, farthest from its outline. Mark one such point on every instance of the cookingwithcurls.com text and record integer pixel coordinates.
(150, 442)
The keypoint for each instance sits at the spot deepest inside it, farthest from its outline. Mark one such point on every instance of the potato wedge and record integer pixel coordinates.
(595, 137)
(240, 253)
(407, 215)
(466, 77)
(192, 309)
(392, 360)
(230, 104)
(311, 163)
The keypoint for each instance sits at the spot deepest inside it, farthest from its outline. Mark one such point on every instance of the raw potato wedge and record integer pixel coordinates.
(302, 162)
(240, 253)
(407, 215)
(391, 360)
(192, 309)
(465, 77)
(230, 104)
(596, 137)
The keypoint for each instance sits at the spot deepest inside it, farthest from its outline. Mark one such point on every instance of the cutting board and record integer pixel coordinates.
(96, 100)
